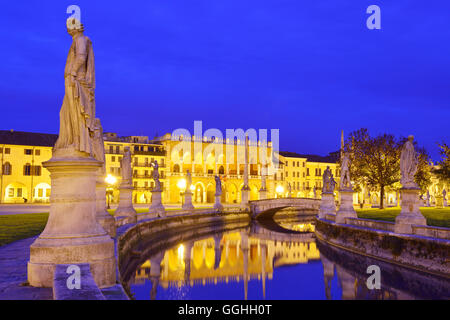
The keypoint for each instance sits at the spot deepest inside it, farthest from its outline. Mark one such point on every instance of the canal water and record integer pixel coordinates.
(279, 260)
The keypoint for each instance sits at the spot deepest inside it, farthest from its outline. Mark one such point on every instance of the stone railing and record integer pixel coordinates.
(430, 231)
(372, 224)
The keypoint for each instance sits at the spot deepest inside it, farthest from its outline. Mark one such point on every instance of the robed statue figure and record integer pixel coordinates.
(77, 115)
(408, 164)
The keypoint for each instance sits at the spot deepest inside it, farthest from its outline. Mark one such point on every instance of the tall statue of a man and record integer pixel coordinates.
(408, 164)
(77, 113)
(188, 181)
(218, 185)
(126, 167)
(156, 176)
(98, 145)
(345, 183)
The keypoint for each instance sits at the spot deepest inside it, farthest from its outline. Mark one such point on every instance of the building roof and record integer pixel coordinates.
(331, 158)
(27, 138)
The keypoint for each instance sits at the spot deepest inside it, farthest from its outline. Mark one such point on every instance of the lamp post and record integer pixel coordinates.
(181, 184)
(279, 190)
(110, 180)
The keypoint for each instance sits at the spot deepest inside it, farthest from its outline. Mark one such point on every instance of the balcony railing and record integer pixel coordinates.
(147, 165)
(151, 153)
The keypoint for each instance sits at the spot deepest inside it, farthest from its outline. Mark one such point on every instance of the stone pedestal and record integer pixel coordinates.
(157, 207)
(410, 213)
(217, 204)
(327, 205)
(125, 208)
(346, 209)
(245, 196)
(72, 234)
(439, 201)
(106, 220)
(445, 202)
(187, 205)
(262, 194)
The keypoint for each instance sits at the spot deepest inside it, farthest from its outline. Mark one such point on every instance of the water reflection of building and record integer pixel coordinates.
(225, 258)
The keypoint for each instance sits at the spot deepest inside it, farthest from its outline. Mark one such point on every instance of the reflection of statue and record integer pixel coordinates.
(126, 167)
(345, 182)
(156, 176)
(289, 189)
(328, 181)
(98, 145)
(444, 193)
(218, 185)
(77, 113)
(315, 192)
(408, 164)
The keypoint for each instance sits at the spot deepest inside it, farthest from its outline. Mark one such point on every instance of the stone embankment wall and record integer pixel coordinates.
(428, 254)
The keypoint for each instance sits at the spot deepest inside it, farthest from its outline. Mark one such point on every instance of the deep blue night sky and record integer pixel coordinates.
(309, 68)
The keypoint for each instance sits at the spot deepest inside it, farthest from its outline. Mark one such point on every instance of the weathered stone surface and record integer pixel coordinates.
(72, 234)
(346, 209)
(125, 208)
(88, 288)
(410, 213)
(327, 205)
(156, 208)
(187, 204)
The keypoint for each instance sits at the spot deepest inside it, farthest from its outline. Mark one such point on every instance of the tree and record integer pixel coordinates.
(443, 167)
(376, 162)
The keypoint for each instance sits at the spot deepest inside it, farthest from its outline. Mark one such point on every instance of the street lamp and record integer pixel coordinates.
(279, 190)
(181, 184)
(110, 180)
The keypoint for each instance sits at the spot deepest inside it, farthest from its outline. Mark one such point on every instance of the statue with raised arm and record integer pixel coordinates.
(218, 185)
(77, 115)
(408, 164)
(156, 176)
(345, 183)
(126, 167)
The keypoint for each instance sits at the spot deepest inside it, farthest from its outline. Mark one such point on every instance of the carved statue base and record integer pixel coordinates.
(187, 205)
(156, 208)
(427, 203)
(262, 194)
(125, 208)
(445, 202)
(439, 201)
(72, 234)
(410, 213)
(245, 196)
(327, 205)
(346, 209)
(218, 205)
(106, 220)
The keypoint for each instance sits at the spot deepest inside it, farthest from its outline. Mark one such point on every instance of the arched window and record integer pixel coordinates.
(221, 170)
(176, 168)
(7, 169)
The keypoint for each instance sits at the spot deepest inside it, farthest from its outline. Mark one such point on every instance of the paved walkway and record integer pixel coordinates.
(13, 273)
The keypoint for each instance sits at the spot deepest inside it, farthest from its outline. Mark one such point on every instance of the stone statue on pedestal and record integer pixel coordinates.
(289, 190)
(188, 181)
(345, 182)
(126, 167)
(328, 181)
(408, 164)
(315, 192)
(156, 176)
(98, 145)
(77, 115)
(73, 234)
(410, 214)
(218, 185)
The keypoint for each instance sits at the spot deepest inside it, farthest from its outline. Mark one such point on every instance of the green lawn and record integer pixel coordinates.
(14, 227)
(435, 217)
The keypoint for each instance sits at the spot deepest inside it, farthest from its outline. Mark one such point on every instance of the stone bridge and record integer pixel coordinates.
(265, 209)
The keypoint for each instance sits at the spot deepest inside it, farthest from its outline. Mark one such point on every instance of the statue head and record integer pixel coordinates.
(410, 138)
(74, 26)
